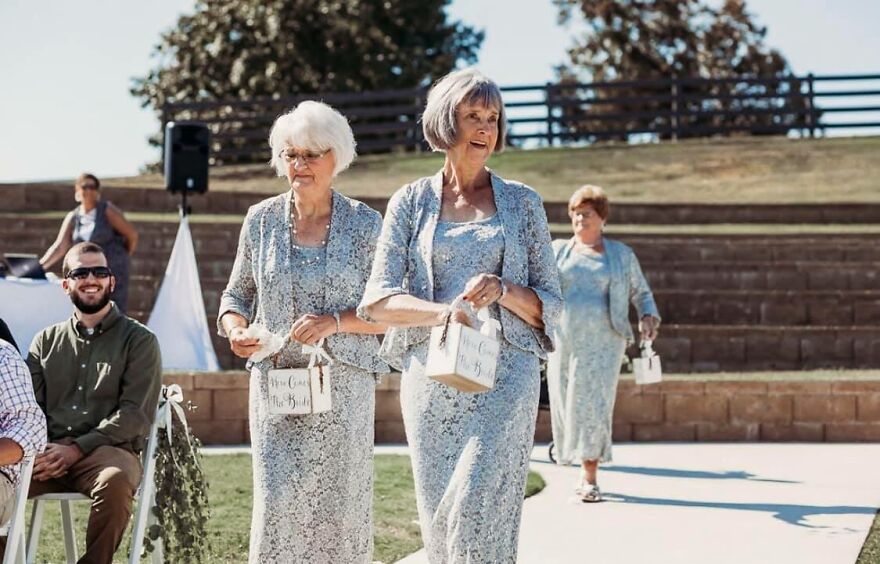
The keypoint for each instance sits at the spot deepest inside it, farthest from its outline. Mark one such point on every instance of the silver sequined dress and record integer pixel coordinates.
(582, 373)
(470, 451)
(313, 474)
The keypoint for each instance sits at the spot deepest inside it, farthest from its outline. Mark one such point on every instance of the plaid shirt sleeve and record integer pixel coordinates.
(21, 418)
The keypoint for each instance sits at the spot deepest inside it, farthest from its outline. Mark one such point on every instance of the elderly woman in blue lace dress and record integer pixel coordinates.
(302, 263)
(600, 277)
(466, 232)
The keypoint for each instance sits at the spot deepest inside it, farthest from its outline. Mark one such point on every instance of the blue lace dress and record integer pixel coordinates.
(313, 474)
(582, 373)
(470, 451)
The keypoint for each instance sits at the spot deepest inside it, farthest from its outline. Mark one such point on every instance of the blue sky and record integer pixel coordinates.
(66, 67)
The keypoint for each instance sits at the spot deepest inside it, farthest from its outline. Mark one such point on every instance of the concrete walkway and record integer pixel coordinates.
(706, 503)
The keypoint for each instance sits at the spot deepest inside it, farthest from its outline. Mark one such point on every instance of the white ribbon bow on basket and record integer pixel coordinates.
(488, 327)
(169, 405)
(318, 356)
(316, 352)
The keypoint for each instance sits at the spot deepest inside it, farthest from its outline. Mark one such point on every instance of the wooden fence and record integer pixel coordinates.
(565, 113)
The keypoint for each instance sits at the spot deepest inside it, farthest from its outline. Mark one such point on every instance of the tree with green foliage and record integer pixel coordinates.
(253, 52)
(629, 40)
(243, 49)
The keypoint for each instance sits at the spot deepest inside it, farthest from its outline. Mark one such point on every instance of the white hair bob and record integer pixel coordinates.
(312, 126)
(466, 85)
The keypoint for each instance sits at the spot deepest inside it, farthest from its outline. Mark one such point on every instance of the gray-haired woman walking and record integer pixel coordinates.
(465, 232)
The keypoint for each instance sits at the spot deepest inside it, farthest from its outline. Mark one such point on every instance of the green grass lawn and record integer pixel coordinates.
(870, 553)
(744, 170)
(230, 487)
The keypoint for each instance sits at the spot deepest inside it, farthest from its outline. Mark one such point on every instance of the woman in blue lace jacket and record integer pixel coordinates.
(466, 232)
(600, 278)
(302, 263)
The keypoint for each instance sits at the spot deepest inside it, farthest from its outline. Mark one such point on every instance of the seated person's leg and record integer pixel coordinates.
(110, 476)
(7, 499)
(36, 488)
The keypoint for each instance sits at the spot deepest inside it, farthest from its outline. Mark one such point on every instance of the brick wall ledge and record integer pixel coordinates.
(819, 406)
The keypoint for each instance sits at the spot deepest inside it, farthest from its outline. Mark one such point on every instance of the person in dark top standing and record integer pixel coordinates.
(97, 378)
(101, 222)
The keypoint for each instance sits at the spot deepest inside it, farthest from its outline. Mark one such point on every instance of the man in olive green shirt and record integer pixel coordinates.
(97, 377)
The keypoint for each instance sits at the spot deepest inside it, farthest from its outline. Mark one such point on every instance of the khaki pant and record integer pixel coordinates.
(7, 499)
(110, 476)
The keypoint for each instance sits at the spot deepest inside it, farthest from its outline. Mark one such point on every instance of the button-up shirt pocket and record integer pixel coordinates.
(104, 370)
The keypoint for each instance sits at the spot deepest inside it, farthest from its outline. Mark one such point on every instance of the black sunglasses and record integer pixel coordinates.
(81, 273)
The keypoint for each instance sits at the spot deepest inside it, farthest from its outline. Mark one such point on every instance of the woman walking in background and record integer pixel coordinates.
(466, 232)
(600, 277)
(302, 262)
(100, 222)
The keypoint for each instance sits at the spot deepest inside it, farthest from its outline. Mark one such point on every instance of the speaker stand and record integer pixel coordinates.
(185, 210)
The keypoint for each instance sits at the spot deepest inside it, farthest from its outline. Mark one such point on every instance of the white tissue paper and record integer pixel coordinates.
(270, 343)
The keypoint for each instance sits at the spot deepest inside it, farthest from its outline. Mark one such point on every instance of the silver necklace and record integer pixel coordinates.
(308, 256)
(293, 229)
(304, 260)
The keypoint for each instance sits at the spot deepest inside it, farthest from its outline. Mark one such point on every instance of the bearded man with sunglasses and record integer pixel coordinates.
(97, 378)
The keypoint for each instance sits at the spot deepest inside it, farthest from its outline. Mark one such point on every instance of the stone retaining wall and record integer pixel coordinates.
(59, 196)
(677, 410)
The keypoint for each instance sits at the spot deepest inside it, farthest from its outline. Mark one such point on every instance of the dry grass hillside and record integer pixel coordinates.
(759, 170)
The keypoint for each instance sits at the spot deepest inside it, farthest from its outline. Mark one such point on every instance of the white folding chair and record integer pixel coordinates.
(14, 530)
(146, 497)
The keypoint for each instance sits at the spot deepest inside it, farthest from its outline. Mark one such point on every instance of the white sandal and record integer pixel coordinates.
(592, 494)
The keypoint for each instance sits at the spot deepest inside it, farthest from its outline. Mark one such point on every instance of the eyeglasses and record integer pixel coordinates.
(89, 186)
(81, 273)
(308, 157)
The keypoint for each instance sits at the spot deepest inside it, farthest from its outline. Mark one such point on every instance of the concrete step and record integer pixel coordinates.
(690, 307)
(714, 348)
(222, 237)
(769, 307)
(56, 196)
(41, 197)
(689, 348)
(763, 275)
(677, 248)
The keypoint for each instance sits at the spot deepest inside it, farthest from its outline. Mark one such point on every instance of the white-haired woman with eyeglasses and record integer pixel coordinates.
(466, 232)
(302, 263)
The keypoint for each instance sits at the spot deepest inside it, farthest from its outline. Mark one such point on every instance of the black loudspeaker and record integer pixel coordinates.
(187, 148)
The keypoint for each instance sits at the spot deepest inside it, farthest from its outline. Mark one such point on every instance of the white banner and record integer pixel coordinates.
(178, 318)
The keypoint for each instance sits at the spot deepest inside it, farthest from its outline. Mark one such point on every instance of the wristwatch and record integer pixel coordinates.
(336, 317)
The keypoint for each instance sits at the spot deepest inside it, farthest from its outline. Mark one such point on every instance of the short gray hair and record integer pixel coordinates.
(466, 85)
(314, 126)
